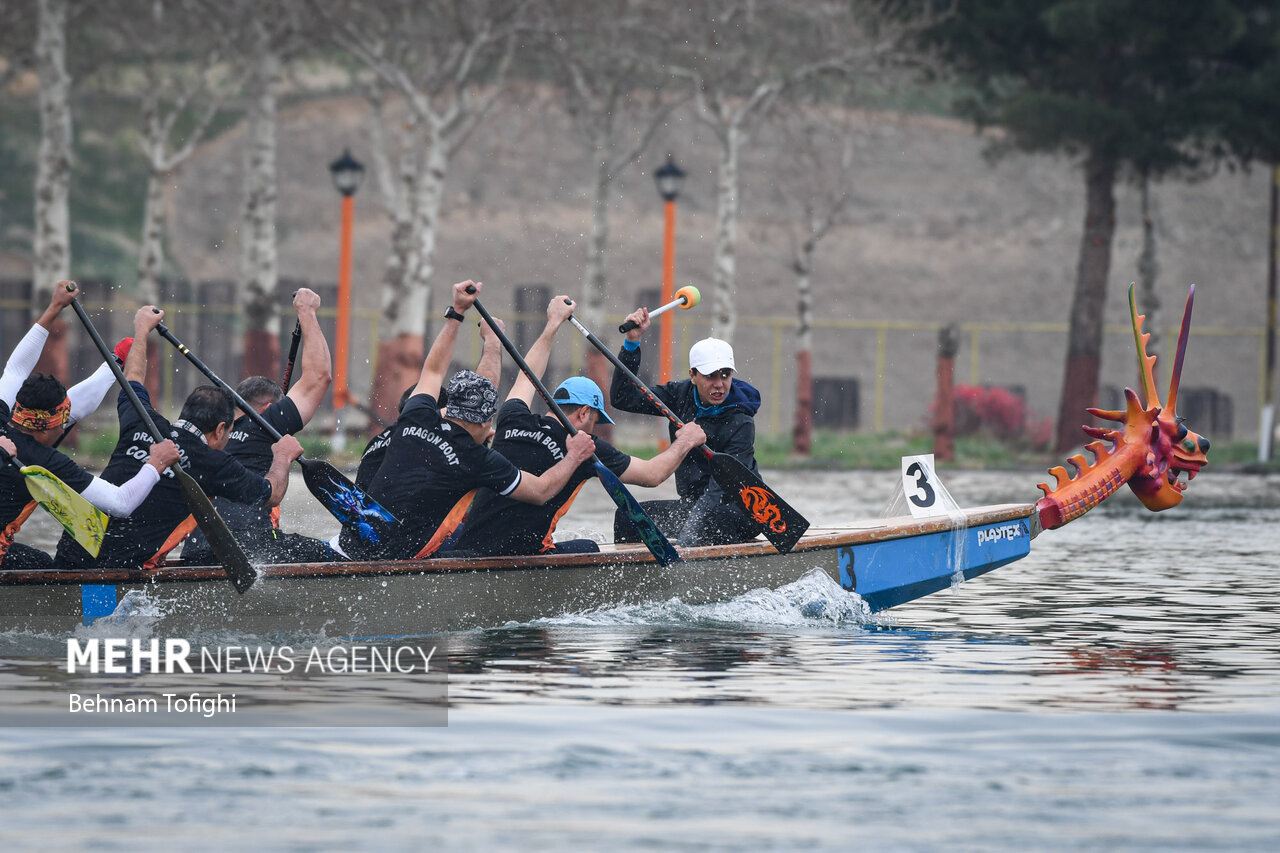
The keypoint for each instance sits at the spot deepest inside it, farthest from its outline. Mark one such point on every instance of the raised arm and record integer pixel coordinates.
(540, 488)
(651, 472)
(559, 310)
(441, 353)
(25, 355)
(317, 365)
(490, 366)
(135, 364)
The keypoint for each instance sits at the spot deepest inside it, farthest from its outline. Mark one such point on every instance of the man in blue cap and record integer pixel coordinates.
(496, 525)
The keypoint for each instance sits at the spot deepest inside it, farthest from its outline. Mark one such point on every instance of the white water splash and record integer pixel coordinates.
(813, 600)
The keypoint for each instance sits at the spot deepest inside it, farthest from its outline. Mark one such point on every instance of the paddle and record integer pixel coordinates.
(293, 353)
(662, 550)
(779, 523)
(685, 298)
(346, 501)
(224, 545)
(84, 521)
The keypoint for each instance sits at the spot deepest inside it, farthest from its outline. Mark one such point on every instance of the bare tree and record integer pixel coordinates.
(447, 61)
(742, 56)
(174, 61)
(52, 247)
(616, 102)
(814, 191)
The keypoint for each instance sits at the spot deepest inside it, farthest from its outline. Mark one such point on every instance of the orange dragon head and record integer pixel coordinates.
(1152, 449)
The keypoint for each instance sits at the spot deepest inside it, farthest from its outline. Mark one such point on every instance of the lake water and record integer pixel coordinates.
(1118, 689)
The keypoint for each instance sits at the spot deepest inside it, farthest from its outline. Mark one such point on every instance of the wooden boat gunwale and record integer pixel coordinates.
(816, 539)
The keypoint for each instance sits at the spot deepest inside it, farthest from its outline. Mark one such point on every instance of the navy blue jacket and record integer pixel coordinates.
(730, 428)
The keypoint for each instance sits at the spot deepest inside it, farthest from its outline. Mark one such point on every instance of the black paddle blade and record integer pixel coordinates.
(346, 501)
(663, 551)
(215, 530)
(779, 523)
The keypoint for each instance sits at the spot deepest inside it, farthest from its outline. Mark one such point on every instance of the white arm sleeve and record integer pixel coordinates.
(121, 501)
(22, 362)
(87, 396)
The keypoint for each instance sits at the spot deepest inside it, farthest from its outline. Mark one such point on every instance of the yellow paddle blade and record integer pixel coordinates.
(84, 521)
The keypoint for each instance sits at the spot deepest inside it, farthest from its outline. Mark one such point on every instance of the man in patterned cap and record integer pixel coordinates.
(434, 462)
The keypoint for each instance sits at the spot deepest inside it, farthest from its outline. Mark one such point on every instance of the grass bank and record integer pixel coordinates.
(831, 450)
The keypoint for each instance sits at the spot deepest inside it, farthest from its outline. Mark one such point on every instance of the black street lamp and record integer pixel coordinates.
(348, 173)
(670, 179)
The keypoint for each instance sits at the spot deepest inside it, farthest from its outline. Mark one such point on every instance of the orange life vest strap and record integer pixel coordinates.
(548, 542)
(11, 529)
(175, 539)
(448, 526)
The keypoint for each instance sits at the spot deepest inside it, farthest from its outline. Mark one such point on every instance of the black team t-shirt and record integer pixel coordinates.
(498, 525)
(371, 460)
(250, 445)
(134, 540)
(14, 496)
(429, 465)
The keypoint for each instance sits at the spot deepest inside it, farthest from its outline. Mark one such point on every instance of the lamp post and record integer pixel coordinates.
(670, 179)
(347, 173)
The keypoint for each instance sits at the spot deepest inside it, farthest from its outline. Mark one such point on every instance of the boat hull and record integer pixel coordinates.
(886, 562)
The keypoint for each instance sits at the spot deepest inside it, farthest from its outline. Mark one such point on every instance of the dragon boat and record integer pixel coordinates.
(884, 561)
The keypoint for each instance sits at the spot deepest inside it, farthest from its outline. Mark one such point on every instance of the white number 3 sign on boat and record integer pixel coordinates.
(924, 492)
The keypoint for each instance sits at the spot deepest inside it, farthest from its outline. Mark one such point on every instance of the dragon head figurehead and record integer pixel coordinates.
(1151, 450)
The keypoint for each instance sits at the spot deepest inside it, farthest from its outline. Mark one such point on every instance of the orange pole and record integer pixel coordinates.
(666, 323)
(342, 354)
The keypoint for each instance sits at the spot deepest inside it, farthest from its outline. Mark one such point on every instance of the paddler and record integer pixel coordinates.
(255, 528)
(490, 367)
(725, 407)
(201, 433)
(36, 410)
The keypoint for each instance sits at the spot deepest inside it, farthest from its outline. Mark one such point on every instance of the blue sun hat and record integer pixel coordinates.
(581, 391)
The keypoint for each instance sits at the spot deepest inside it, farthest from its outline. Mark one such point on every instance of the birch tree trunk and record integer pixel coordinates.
(802, 433)
(1084, 338)
(52, 245)
(595, 279)
(406, 294)
(259, 267)
(151, 252)
(724, 273)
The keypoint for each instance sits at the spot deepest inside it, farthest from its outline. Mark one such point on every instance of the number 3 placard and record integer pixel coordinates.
(925, 494)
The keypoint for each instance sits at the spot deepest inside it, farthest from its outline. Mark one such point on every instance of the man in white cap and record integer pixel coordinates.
(725, 407)
(496, 525)
(434, 461)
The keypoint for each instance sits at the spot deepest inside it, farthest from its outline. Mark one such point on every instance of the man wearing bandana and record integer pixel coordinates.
(490, 367)
(36, 410)
(201, 432)
(434, 462)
